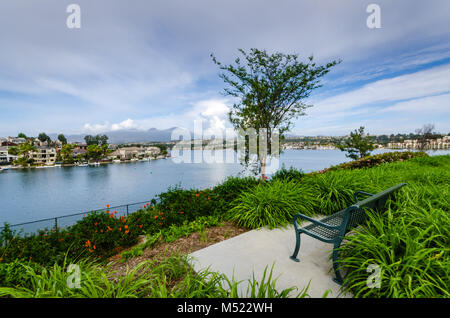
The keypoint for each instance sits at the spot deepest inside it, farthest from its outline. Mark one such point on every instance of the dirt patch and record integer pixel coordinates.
(184, 245)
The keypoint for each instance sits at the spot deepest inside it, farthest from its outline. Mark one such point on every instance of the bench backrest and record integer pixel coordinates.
(356, 214)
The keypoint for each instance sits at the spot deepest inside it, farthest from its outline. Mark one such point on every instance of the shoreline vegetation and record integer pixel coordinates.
(410, 241)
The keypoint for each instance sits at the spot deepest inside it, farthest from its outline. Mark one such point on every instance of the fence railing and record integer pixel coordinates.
(59, 222)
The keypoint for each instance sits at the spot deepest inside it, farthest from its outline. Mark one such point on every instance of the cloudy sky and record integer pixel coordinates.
(146, 63)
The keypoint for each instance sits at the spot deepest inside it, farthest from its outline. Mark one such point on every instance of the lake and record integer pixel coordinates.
(34, 194)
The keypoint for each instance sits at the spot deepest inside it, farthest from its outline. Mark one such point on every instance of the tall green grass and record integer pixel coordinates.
(411, 240)
(170, 278)
(272, 204)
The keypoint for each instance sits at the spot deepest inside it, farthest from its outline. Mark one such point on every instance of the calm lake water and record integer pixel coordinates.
(33, 194)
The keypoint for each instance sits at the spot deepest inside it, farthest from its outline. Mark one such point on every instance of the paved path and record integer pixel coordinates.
(254, 250)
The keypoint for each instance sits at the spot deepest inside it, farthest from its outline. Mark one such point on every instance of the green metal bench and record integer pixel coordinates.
(333, 228)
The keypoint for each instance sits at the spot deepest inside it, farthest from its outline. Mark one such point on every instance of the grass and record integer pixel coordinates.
(411, 240)
(272, 204)
(170, 278)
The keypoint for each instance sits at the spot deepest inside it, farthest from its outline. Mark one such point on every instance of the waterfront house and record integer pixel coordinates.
(5, 157)
(44, 155)
(16, 140)
(127, 153)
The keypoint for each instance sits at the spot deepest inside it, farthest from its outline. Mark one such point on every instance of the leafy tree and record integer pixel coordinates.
(103, 139)
(24, 152)
(96, 152)
(96, 140)
(359, 145)
(43, 137)
(66, 153)
(270, 90)
(14, 150)
(62, 139)
(22, 135)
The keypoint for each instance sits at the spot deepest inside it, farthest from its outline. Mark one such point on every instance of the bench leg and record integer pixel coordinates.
(338, 279)
(297, 247)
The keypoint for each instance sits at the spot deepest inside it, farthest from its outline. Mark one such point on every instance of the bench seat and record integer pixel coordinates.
(333, 228)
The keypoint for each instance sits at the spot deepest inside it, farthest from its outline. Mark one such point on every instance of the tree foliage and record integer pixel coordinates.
(62, 139)
(96, 140)
(270, 89)
(43, 137)
(359, 145)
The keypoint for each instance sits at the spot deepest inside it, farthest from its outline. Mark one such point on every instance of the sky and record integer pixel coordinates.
(144, 64)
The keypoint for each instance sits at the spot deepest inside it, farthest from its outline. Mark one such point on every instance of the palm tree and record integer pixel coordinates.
(24, 153)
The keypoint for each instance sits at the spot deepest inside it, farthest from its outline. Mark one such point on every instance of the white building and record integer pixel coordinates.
(5, 157)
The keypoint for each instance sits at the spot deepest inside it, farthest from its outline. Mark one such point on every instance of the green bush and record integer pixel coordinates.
(272, 204)
(179, 204)
(334, 190)
(290, 174)
(229, 190)
(375, 160)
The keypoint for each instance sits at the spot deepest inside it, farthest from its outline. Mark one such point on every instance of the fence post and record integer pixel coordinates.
(127, 210)
(56, 224)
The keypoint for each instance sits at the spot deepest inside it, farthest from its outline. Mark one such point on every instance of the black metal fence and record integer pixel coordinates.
(60, 222)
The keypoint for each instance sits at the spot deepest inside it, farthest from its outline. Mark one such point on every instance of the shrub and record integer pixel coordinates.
(334, 191)
(375, 160)
(229, 190)
(179, 204)
(288, 175)
(411, 247)
(272, 204)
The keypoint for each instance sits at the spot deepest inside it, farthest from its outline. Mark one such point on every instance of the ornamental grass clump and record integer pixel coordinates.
(410, 242)
(334, 191)
(272, 204)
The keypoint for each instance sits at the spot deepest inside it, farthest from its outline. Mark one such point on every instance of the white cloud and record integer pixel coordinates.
(212, 113)
(416, 85)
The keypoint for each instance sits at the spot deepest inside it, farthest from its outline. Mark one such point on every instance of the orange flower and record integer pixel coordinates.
(181, 212)
(126, 232)
(156, 217)
(126, 226)
(96, 223)
(109, 228)
(140, 226)
(196, 194)
(120, 229)
(107, 206)
(88, 243)
(94, 247)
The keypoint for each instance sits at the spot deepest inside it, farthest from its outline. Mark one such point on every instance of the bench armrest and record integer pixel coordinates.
(302, 216)
(355, 196)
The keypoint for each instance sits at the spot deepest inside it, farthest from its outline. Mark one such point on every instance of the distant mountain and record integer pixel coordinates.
(126, 136)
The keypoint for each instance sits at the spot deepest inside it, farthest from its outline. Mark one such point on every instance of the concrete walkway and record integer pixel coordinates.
(254, 250)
